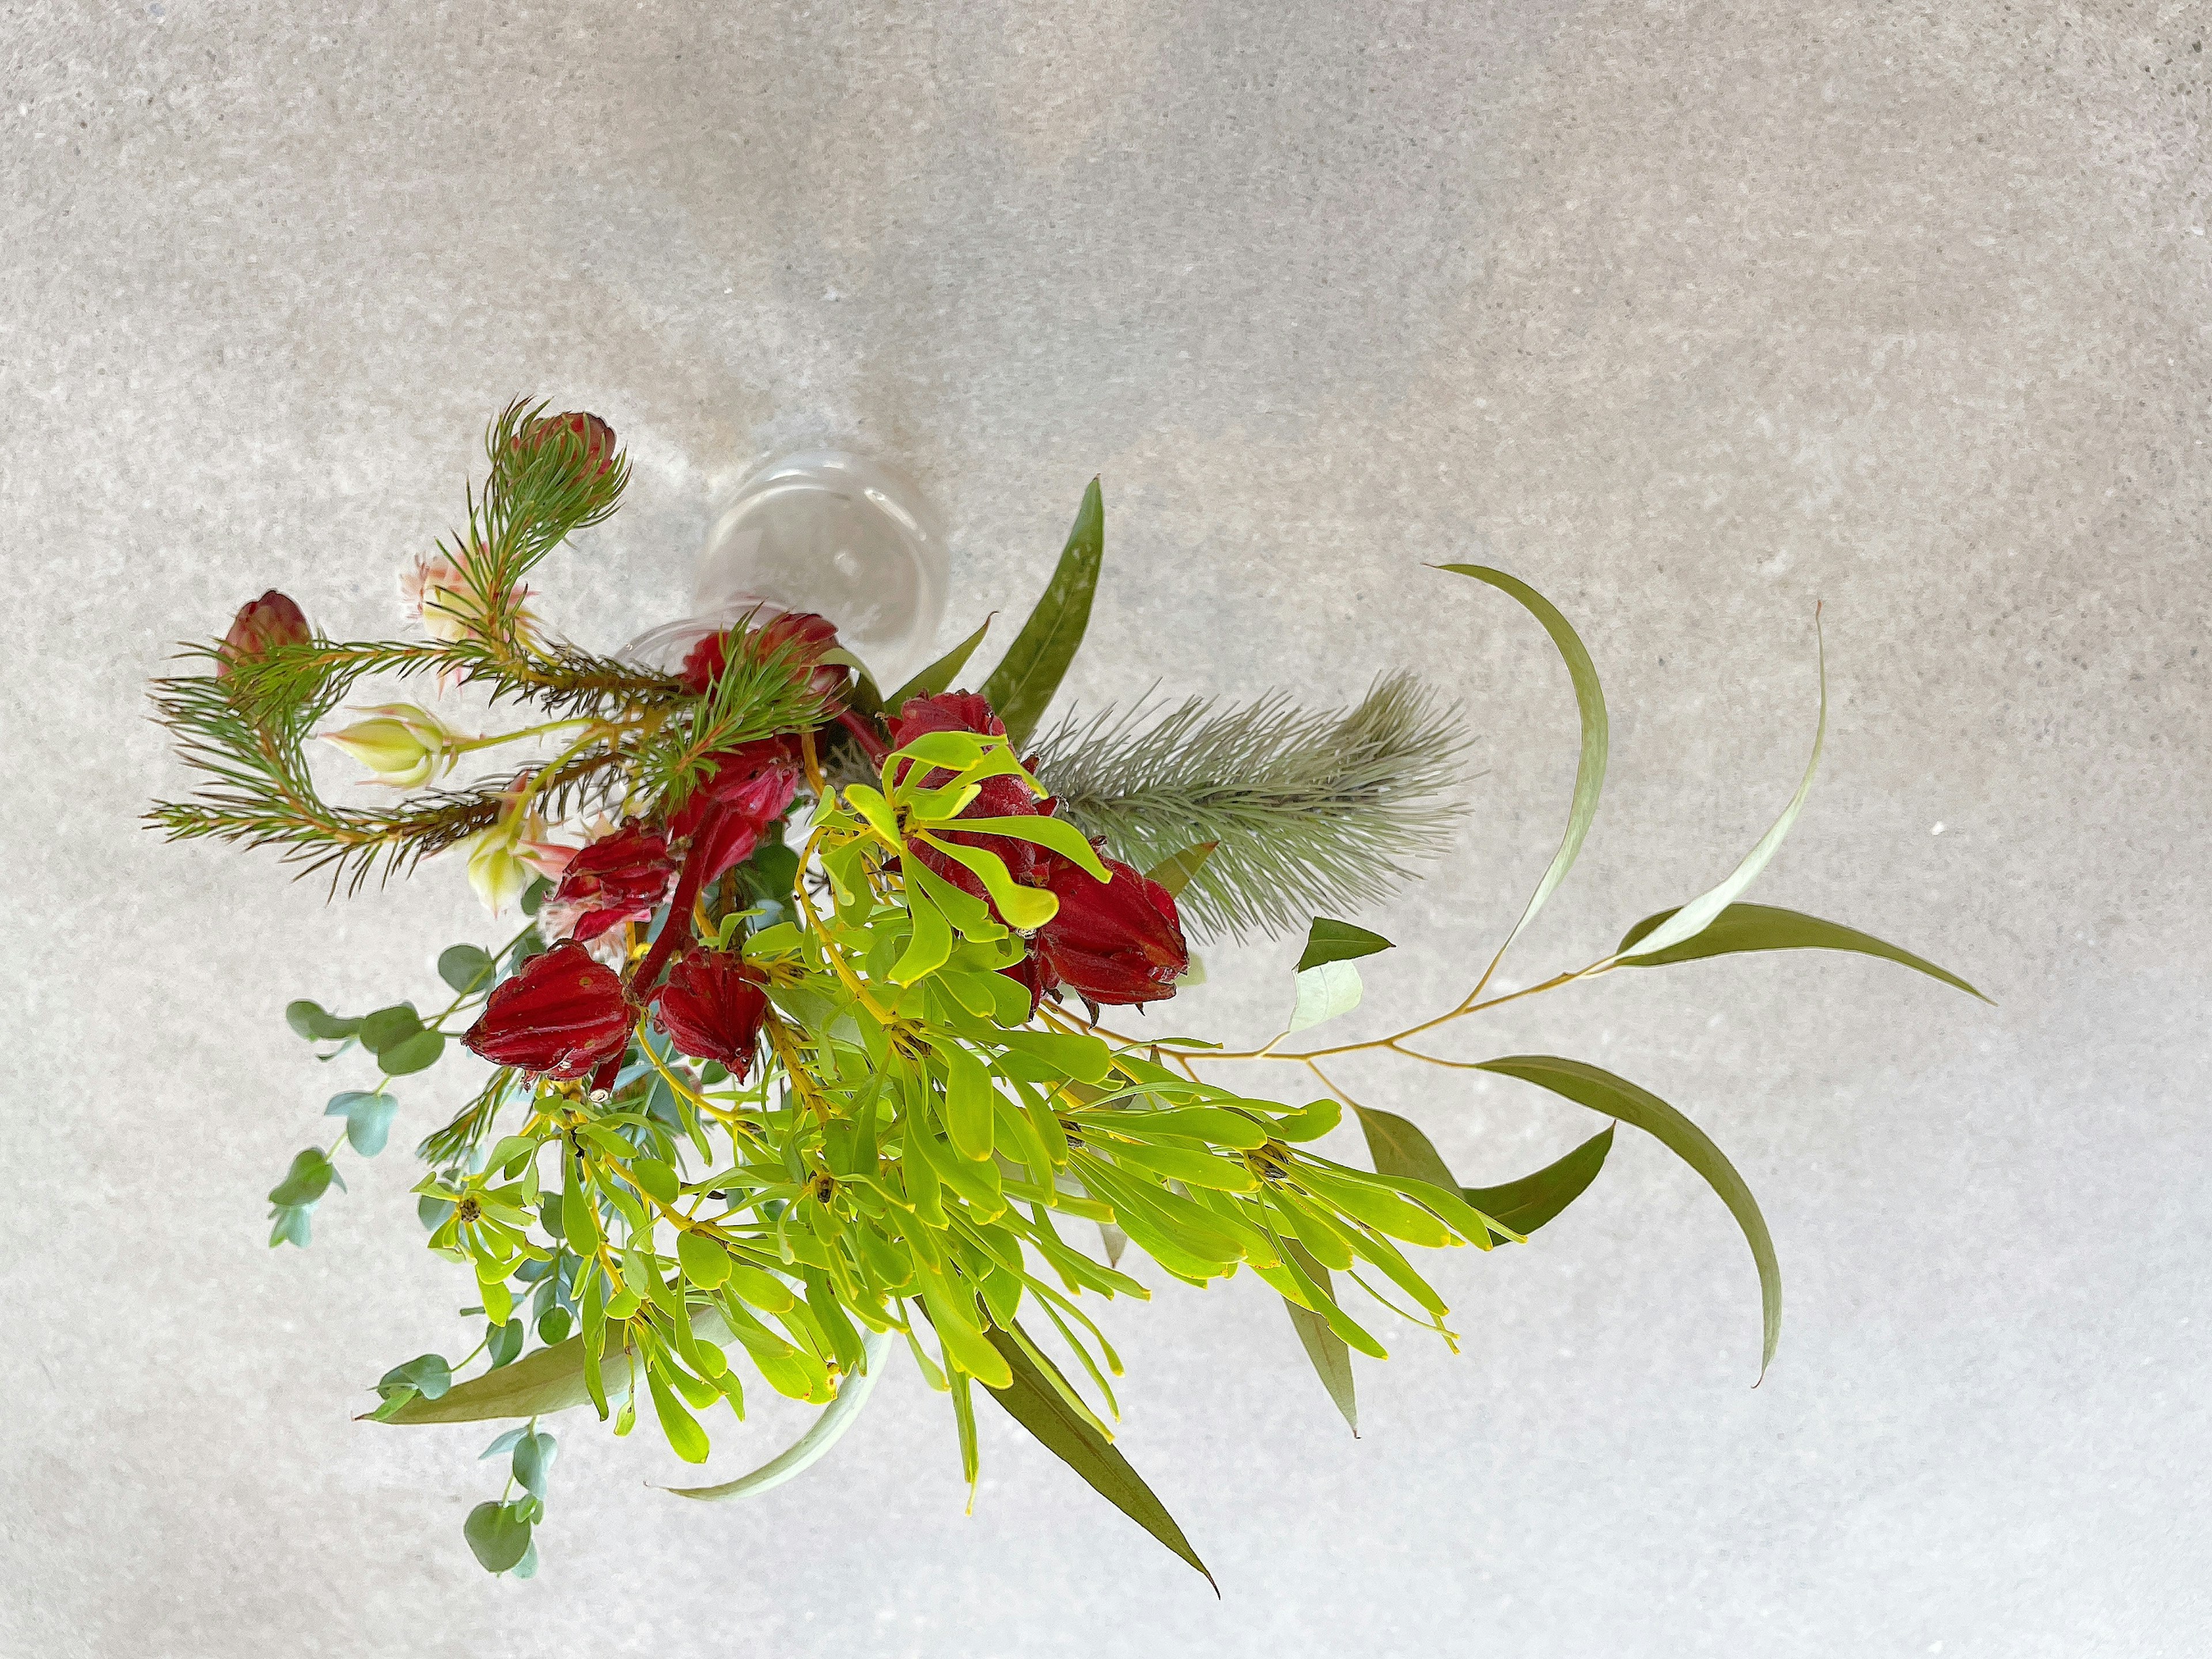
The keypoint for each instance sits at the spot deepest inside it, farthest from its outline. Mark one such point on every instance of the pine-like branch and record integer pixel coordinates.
(1312, 812)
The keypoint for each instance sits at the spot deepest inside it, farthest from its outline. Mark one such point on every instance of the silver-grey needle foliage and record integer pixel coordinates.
(1313, 811)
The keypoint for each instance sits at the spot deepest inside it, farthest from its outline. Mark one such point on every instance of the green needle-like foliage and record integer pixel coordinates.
(1313, 812)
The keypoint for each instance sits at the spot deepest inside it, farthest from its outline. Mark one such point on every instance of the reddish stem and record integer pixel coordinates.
(875, 748)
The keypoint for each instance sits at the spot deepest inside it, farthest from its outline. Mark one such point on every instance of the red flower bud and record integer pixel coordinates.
(1001, 797)
(561, 1016)
(270, 620)
(598, 439)
(801, 633)
(749, 789)
(620, 879)
(1117, 941)
(711, 1006)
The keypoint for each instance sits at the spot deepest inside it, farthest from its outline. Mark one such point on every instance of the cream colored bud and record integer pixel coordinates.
(402, 745)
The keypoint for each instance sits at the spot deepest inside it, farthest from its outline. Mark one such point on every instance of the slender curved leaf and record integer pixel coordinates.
(539, 1384)
(1032, 1400)
(1693, 918)
(1601, 1091)
(1329, 940)
(828, 1427)
(1590, 699)
(1021, 687)
(940, 674)
(1175, 872)
(1764, 927)
(1527, 1204)
(1331, 1355)
(1399, 1148)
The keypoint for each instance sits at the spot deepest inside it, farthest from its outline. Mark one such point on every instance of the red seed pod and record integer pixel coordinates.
(1112, 942)
(712, 1006)
(561, 1016)
(621, 878)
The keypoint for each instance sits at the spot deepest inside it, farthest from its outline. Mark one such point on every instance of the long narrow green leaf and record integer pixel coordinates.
(1022, 685)
(823, 1433)
(1032, 1402)
(1399, 1148)
(1700, 912)
(940, 674)
(1330, 1354)
(1527, 1204)
(1616, 1098)
(1763, 928)
(537, 1385)
(1589, 699)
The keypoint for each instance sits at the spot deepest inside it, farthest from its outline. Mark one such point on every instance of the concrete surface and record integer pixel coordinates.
(1693, 315)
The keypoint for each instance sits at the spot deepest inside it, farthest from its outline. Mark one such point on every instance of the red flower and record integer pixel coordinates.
(749, 789)
(711, 1007)
(1001, 797)
(598, 439)
(1117, 941)
(618, 879)
(270, 620)
(561, 1016)
(802, 633)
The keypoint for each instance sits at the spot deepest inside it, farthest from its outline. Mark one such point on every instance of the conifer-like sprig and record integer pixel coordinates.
(1311, 812)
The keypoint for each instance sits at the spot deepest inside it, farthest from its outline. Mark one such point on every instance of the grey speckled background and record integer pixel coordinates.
(1694, 315)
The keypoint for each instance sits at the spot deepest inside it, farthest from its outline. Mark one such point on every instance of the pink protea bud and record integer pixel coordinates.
(270, 620)
(594, 434)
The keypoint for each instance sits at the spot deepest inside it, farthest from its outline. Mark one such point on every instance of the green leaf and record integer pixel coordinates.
(294, 1224)
(1762, 928)
(1331, 1356)
(539, 1384)
(1175, 872)
(506, 1443)
(686, 1437)
(1032, 1400)
(1702, 911)
(309, 1021)
(307, 1180)
(497, 1536)
(387, 1026)
(1021, 687)
(505, 1342)
(369, 1118)
(939, 675)
(1325, 992)
(821, 1434)
(412, 1053)
(1527, 1204)
(467, 968)
(1399, 1148)
(534, 895)
(1338, 941)
(1601, 1091)
(773, 870)
(526, 1567)
(427, 1374)
(533, 1460)
(1590, 699)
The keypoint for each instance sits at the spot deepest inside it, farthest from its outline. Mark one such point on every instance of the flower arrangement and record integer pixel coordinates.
(798, 1057)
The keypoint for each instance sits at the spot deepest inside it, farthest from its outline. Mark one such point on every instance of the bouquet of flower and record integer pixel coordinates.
(797, 1058)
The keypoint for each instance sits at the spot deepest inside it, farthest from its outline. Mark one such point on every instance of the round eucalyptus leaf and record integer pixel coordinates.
(467, 968)
(427, 1374)
(307, 1180)
(497, 1537)
(387, 1026)
(533, 1460)
(506, 1342)
(412, 1053)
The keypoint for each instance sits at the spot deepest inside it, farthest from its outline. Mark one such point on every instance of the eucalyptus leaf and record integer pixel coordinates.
(1589, 703)
(307, 1180)
(939, 675)
(387, 1026)
(427, 1374)
(369, 1118)
(534, 895)
(1032, 1400)
(497, 1536)
(822, 1434)
(309, 1020)
(412, 1053)
(506, 1443)
(1527, 1204)
(533, 1460)
(1763, 928)
(1175, 872)
(505, 1342)
(541, 1382)
(1338, 941)
(1021, 686)
(1701, 912)
(294, 1223)
(1331, 1356)
(467, 968)
(1324, 993)
(1616, 1098)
